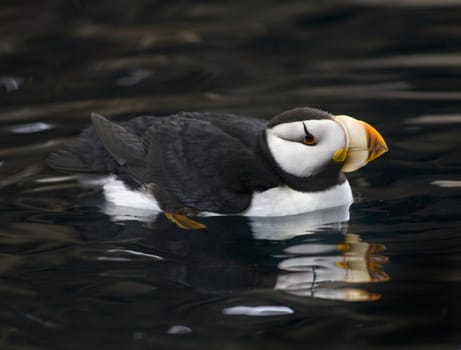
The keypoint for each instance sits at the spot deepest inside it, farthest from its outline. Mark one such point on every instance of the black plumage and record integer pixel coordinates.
(191, 162)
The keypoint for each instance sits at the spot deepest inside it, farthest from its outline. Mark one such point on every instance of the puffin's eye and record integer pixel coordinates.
(309, 139)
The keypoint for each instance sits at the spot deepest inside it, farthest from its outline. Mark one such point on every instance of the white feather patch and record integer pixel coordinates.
(296, 158)
(117, 193)
(279, 201)
(123, 203)
(283, 200)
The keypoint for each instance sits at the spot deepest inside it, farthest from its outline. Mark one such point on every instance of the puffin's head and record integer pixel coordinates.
(306, 141)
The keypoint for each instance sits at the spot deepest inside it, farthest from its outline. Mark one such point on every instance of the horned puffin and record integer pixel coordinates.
(191, 163)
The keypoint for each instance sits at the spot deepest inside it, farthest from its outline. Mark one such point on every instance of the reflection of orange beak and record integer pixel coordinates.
(363, 143)
(362, 260)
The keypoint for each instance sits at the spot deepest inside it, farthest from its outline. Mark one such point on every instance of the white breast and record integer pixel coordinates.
(278, 201)
(283, 200)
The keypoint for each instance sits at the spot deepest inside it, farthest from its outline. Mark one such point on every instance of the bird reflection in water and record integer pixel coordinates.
(310, 255)
(321, 271)
(321, 268)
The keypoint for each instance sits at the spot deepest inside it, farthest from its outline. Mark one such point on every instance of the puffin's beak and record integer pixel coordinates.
(363, 143)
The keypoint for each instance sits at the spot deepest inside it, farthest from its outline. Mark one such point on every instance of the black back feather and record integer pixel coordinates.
(190, 161)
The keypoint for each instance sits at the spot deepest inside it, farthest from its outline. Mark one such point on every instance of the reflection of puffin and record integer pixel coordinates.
(192, 163)
(325, 262)
(302, 255)
(323, 271)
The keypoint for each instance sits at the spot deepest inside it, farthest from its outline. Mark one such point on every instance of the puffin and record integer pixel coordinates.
(192, 163)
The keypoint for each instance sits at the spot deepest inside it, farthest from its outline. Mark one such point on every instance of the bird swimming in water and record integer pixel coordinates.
(190, 164)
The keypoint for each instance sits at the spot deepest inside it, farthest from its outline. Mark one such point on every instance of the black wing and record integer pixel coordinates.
(188, 163)
(202, 166)
(90, 154)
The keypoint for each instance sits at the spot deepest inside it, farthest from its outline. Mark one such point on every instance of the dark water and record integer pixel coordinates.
(73, 277)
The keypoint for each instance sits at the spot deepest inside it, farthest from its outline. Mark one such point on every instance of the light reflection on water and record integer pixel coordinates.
(74, 276)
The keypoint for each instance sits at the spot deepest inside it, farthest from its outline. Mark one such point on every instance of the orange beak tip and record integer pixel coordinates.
(363, 143)
(376, 144)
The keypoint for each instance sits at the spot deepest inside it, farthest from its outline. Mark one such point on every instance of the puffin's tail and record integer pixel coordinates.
(87, 155)
(68, 160)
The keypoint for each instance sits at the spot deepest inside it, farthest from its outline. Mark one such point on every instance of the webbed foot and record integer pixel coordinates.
(184, 222)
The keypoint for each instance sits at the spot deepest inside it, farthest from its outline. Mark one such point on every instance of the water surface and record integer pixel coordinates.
(75, 277)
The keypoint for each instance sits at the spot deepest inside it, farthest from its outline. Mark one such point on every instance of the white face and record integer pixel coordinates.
(286, 144)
